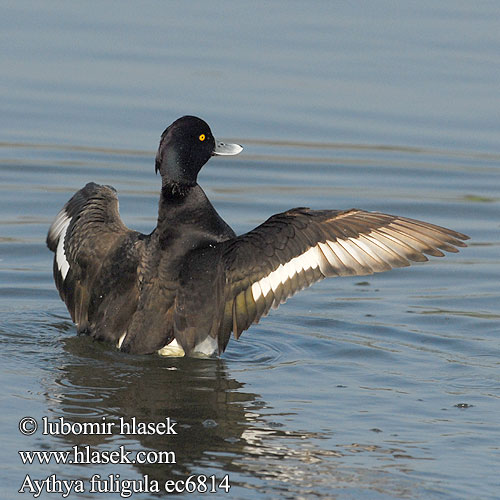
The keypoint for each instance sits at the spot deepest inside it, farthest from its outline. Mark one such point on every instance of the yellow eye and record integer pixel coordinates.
(202, 137)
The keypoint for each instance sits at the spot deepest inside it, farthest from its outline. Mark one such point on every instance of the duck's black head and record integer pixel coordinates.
(185, 147)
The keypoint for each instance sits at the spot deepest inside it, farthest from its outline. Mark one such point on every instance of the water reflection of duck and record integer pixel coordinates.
(185, 287)
(209, 407)
(222, 428)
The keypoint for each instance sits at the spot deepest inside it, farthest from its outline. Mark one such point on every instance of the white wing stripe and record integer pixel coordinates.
(276, 278)
(308, 260)
(265, 286)
(62, 263)
(289, 269)
(256, 291)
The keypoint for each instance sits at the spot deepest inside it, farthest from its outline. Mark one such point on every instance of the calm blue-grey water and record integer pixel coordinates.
(373, 387)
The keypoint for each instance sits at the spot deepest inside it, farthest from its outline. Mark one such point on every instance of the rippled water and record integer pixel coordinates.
(383, 386)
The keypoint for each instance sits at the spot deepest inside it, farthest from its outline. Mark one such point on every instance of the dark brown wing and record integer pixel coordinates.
(294, 249)
(86, 233)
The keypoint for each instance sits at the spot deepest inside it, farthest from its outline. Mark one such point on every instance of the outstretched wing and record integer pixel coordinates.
(85, 232)
(294, 249)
